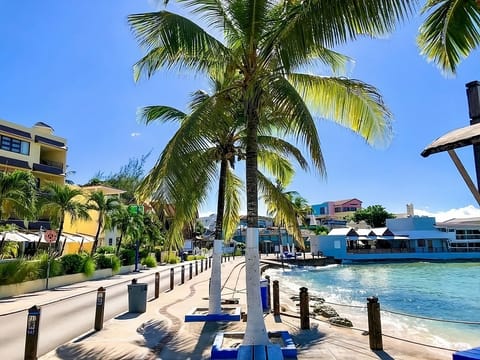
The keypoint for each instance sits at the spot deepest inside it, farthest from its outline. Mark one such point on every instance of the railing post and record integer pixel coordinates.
(269, 295)
(100, 309)
(172, 278)
(196, 267)
(190, 271)
(182, 281)
(157, 285)
(374, 323)
(304, 309)
(276, 298)
(31, 339)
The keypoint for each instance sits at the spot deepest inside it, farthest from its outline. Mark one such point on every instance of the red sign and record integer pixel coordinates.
(50, 236)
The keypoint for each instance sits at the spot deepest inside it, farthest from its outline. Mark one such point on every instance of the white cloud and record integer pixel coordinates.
(465, 212)
(134, 134)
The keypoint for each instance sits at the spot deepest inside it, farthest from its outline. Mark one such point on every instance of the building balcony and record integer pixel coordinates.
(49, 167)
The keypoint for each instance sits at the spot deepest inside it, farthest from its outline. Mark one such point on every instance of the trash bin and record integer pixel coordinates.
(137, 298)
(264, 294)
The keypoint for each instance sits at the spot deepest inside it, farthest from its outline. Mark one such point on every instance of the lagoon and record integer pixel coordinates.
(448, 291)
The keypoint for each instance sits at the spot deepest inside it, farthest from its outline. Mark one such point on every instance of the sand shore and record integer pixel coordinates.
(162, 333)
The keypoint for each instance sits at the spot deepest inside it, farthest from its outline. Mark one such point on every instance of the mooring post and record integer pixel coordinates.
(190, 271)
(276, 298)
(99, 309)
(31, 339)
(157, 285)
(182, 278)
(374, 323)
(172, 278)
(304, 309)
(269, 295)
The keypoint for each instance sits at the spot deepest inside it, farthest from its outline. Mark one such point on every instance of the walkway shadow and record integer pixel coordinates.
(383, 355)
(127, 316)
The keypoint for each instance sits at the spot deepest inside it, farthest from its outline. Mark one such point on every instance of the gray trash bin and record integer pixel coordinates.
(137, 298)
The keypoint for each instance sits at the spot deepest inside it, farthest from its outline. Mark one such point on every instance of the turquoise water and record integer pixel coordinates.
(434, 290)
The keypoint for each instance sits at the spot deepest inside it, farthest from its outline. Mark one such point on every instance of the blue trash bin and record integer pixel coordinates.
(264, 294)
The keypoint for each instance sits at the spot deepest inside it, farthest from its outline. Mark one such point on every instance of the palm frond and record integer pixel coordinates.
(231, 215)
(161, 113)
(173, 40)
(450, 32)
(350, 103)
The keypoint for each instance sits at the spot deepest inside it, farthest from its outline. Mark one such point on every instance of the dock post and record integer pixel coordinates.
(31, 339)
(304, 309)
(99, 309)
(374, 323)
(157, 285)
(172, 278)
(276, 298)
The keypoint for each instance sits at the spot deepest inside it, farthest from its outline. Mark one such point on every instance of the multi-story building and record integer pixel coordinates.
(335, 213)
(34, 149)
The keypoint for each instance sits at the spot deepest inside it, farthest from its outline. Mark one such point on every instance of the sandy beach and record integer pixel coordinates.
(162, 333)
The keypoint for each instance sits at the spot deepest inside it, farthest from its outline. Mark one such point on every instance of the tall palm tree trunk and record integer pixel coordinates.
(256, 332)
(95, 242)
(59, 233)
(119, 244)
(215, 290)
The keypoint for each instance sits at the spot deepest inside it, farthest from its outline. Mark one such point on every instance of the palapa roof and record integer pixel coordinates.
(457, 138)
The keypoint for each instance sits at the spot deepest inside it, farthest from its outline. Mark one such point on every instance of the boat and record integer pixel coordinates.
(403, 239)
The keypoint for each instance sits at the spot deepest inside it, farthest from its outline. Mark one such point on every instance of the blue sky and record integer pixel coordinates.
(69, 64)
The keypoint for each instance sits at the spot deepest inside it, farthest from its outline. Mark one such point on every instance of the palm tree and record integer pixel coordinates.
(59, 201)
(18, 193)
(104, 205)
(265, 42)
(130, 225)
(450, 32)
(193, 156)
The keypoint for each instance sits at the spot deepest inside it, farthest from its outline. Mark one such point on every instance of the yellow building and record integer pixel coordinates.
(36, 149)
(89, 228)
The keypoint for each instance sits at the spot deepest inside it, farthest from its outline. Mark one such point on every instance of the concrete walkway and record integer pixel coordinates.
(161, 333)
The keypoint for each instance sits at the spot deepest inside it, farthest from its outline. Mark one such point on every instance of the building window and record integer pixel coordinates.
(421, 242)
(110, 241)
(14, 145)
(338, 209)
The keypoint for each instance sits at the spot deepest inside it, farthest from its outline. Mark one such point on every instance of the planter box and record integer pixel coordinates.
(221, 350)
(53, 282)
(201, 315)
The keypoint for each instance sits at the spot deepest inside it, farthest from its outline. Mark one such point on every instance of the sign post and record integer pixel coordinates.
(50, 237)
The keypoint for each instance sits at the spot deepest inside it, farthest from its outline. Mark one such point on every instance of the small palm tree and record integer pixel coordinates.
(104, 205)
(130, 225)
(59, 201)
(18, 193)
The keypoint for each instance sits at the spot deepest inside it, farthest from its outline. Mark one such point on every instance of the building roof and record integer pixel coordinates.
(460, 223)
(457, 138)
(341, 202)
(107, 190)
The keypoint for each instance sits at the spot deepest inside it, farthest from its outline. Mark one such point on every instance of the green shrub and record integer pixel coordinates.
(149, 261)
(107, 261)
(105, 250)
(116, 263)
(195, 257)
(56, 268)
(17, 271)
(127, 256)
(171, 258)
(72, 263)
(88, 266)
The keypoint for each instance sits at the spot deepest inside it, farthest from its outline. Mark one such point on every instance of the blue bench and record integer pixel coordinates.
(472, 354)
(259, 352)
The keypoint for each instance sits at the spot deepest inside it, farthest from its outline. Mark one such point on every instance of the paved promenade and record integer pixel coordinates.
(161, 333)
